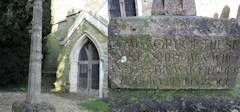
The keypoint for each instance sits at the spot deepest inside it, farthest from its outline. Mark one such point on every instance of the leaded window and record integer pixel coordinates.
(122, 8)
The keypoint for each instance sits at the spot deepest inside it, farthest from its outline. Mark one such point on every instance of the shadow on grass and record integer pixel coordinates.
(14, 88)
(98, 106)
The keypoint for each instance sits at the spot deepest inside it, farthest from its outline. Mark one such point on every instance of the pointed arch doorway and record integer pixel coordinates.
(74, 57)
(89, 69)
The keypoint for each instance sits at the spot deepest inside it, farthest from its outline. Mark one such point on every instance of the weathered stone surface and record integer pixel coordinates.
(35, 62)
(172, 101)
(158, 7)
(238, 13)
(146, 7)
(225, 12)
(215, 15)
(173, 52)
(189, 7)
(22, 106)
(173, 7)
(62, 9)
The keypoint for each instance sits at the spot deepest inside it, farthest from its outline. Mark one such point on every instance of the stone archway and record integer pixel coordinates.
(74, 61)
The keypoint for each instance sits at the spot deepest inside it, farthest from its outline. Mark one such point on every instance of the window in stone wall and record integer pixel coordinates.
(89, 69)
(122, 8)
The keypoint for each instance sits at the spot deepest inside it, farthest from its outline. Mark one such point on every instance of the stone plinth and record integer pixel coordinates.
(22, 106)
(173, 52)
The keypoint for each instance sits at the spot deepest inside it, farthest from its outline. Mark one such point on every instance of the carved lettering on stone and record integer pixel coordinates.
(170, 52)
(172, 61)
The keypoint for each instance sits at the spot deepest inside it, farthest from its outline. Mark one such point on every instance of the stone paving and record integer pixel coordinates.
(61, 104)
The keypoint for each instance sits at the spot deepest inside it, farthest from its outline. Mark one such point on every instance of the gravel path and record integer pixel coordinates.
(61, 104)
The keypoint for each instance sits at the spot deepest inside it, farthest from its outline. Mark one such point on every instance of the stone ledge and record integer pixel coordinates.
(173, 101)
(23, 106)
(174, 25)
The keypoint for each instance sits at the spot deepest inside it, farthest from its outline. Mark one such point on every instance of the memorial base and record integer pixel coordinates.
(173, 100)
(22, 106)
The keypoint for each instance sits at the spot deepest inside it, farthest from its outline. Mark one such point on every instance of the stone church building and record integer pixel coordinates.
(77, 52)
(77, 46)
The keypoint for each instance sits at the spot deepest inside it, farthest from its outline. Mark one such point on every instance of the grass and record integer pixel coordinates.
(95, 106)
(132, 95)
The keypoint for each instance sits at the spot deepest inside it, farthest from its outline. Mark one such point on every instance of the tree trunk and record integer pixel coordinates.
(35, 63)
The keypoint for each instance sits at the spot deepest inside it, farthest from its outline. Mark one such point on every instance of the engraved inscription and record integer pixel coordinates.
(176, 62)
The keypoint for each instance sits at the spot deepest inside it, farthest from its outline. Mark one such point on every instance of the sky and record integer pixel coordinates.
(208, 8)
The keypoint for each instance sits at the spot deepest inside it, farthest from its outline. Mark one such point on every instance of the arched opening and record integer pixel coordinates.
(88, 69)
(74, 57)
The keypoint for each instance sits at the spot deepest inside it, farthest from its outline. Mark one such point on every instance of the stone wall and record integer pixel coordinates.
(63, 8)
(146, 7)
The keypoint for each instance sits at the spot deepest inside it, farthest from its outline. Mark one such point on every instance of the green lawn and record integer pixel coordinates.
(96, 106)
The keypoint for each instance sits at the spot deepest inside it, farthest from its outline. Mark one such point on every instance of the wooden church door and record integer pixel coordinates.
(89, 69)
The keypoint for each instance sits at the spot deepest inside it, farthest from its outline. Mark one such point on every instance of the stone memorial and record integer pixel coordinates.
(215, 15)
(173, 52)
(33, 102)
(225, 12)
(238, 14)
